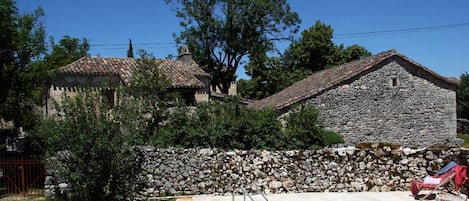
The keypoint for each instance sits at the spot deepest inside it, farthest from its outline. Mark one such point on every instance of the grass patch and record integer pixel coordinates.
(465, 137)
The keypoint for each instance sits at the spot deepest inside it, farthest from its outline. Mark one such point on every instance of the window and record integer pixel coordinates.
(394, 82)
(110, 97)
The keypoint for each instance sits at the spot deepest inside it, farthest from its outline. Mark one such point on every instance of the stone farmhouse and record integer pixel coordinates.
(183, 74)
(383, 98)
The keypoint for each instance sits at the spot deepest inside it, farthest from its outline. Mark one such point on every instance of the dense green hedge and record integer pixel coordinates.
(233, 126)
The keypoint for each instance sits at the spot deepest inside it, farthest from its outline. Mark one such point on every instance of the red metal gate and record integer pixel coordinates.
(21, 175)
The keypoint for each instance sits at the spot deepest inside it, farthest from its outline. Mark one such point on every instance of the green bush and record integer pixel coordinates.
(85, 144)
(330, 138)
(304, 130)
(221, 125)
(91, 146)
(233, 126)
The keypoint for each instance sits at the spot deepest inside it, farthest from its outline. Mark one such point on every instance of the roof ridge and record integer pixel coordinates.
(391, 52)
(76, 61)
(124, 67)
(328, 78)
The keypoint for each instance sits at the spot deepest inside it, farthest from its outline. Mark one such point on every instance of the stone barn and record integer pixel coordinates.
(383, 98)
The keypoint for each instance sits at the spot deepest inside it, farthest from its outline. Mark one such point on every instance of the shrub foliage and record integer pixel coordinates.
(90, 145)
(86, 146)
(233, 126)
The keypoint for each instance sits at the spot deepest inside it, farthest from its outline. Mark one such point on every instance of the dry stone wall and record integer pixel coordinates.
(169, 172)
(175, 172)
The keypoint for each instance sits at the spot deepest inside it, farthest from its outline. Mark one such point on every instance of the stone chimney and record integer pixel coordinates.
(185, 55)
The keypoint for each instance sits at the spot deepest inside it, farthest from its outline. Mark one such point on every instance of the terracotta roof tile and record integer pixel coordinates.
(329, 78)
(179, 74)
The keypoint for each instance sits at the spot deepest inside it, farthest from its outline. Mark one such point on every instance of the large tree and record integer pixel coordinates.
(22, 40)
(222, 33)
(67, 50)
(312, 52)
(26, 63)
(315, 50)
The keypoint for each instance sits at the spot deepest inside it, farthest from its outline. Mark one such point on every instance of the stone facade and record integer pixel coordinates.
(386, 97)
(70, 86)
(390, 104)
(174, 172)
(96, 73)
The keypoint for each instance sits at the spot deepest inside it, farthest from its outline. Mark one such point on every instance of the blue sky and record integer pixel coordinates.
(108, 23)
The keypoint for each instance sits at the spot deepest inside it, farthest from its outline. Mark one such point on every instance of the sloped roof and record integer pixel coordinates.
(331, 77)
(179, 74)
